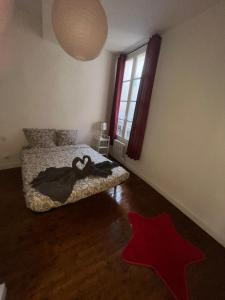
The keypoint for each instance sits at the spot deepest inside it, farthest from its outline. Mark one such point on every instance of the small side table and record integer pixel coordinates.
(102, 144)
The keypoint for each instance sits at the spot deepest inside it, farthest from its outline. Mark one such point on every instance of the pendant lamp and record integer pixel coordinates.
(6, 10)
(80, 27)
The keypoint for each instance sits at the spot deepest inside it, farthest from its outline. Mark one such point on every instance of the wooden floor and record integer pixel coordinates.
(74, 252)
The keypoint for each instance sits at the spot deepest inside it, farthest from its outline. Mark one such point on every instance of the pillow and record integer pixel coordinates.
(66, 137)
(40, 138)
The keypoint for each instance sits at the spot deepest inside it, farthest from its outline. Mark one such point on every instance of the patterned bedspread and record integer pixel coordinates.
(35, 160)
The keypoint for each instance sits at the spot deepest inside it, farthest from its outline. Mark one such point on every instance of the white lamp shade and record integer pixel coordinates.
(80, 27)
(103, 126)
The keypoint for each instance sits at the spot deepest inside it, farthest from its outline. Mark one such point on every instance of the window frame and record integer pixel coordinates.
(134, 55)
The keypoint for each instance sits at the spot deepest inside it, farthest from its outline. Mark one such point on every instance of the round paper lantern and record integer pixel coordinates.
(6, 9)
(80, 27)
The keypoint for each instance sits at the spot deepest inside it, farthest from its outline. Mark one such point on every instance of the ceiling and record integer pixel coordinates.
(31, 6)
(131, 22)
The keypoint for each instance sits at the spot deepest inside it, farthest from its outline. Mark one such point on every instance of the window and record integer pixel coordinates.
(131, 82)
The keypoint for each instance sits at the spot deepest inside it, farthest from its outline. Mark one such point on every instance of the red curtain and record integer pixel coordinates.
(116, 99)
(144, 97)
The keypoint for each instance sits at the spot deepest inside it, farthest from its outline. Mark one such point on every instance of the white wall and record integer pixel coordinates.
(184, 149)
(44, 87)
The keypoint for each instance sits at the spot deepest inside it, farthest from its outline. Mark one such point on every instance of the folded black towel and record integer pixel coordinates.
(58, 183)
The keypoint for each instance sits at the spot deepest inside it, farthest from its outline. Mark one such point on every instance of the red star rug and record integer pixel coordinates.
(156, 244)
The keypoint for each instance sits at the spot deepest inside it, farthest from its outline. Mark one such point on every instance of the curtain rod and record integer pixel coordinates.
(139, 47)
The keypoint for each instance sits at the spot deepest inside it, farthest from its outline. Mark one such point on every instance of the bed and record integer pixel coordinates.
(35, 160)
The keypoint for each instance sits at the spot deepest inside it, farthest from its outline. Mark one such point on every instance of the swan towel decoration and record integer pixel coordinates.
(58, 183)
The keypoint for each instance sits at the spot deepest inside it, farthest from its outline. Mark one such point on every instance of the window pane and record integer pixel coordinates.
(122, 112)
(128, 69)
(140, 64)
(135, 88)
(131, 111)
(128, 130)
(120, 127)
(125, 91)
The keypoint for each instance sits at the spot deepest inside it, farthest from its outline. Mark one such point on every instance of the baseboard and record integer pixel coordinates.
(182, 208)
(9, 164)
(2, 291)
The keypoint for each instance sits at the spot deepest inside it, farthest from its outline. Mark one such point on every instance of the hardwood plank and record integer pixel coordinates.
(73, 252)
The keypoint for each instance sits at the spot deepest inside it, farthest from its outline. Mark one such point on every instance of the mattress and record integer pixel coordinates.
(35, 160)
